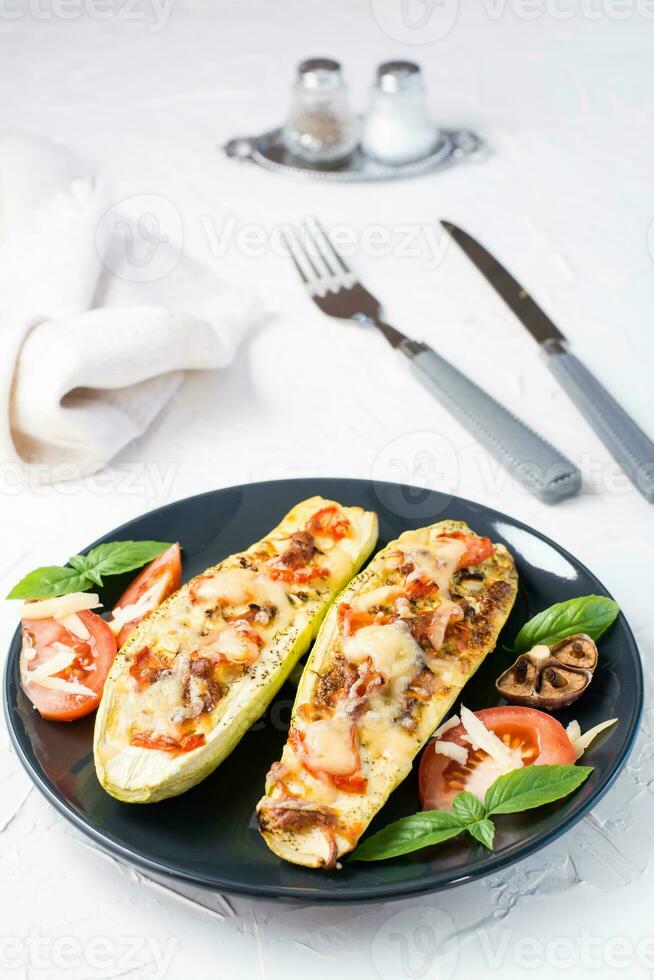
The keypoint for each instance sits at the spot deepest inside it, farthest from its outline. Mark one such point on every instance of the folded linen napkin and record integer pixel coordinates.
(100, 312)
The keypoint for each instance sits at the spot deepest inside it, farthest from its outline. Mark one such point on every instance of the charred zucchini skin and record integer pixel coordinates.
(159, 775)
(307, 847)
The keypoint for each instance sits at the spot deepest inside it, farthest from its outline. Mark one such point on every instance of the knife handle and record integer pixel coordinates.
(541, 468)
(626, 441)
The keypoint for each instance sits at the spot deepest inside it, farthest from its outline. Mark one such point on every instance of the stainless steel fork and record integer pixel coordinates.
(333, 287)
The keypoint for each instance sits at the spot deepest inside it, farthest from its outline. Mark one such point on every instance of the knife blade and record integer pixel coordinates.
(632, 449)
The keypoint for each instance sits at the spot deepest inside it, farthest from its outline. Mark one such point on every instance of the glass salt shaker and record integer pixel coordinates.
(321, 128)
(398, 127)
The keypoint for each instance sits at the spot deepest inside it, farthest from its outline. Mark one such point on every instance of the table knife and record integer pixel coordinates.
(632, 449)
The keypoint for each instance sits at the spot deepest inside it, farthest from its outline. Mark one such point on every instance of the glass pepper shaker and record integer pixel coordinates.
(321, 128)
(398, 127)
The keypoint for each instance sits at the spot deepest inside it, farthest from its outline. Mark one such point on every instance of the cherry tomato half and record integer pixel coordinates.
(156, 582)
(44, 639)
(540, 739)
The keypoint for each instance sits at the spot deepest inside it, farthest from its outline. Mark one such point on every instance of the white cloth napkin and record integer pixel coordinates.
(100, 312)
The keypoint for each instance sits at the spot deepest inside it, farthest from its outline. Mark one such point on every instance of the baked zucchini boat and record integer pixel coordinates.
(392, 656)
(198, 671)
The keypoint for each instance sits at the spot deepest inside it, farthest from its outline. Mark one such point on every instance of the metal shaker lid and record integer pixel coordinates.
(319, 73)
(393, 76)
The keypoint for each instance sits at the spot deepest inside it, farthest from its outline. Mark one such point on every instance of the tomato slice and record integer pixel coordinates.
(145, 667)
(44, 639)
(541, 740)
(329, 522)
(350, 620)
(152, 585)
(354, 783)
(297, 576)
(420, 586)
(166, 743)
(477, 549)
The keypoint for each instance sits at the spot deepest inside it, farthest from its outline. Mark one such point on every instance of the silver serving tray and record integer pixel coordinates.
(268, 151)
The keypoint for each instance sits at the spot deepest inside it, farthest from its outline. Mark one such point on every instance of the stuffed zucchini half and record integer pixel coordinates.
(196, 673)
(391, 658)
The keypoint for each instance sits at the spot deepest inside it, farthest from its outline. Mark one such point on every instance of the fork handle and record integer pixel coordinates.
(533, 461)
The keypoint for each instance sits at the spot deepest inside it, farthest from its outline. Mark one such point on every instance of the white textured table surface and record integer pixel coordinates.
(563, 95)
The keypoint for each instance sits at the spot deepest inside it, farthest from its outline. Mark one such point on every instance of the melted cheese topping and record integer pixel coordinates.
(392, 720)
(393, 653)
(391, 648)
(150, 709)
(380, 735)
(206, 622)
(385, 595)
(329, 746)
(234, 644)
(233, 586)
(438, 562)
(153, 706)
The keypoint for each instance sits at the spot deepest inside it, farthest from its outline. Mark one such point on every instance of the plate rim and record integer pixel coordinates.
(517, 852)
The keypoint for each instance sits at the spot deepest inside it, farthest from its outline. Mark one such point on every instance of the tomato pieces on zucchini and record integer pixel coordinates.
(297, 576)
(329, 522)
(478, 549)
(166, 743)
(64, 663)
(534, 736)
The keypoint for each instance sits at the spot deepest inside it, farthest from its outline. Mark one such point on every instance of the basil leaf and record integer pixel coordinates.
(409, 834)
(48, 582)
(483, 831)
(116, 557)
(531, 786)
(87, 570)
(591, 614)
(78, 562)
(468, 807)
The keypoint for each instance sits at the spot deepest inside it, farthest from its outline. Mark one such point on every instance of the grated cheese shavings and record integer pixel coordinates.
(581, 742)
(63, 658)
(74, 625)
(445, 727)
(136, 610)
(451, 750)
(60, 607)
(481, 738)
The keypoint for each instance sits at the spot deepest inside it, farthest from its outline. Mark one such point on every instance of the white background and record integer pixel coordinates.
(563, 95)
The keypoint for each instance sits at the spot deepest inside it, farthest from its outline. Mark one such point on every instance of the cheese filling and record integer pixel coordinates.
(389, 653)
(329, 746)
(391, 649)
(438, 563)
(231, 618)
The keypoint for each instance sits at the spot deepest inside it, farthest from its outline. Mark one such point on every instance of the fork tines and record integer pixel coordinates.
(319, 265)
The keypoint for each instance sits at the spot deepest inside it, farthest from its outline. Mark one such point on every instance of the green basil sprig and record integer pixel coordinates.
(409, 834)
(520, 789)
(590, 614)
(87, 570)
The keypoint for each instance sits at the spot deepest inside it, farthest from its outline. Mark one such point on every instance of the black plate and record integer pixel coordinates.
(208, 836)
